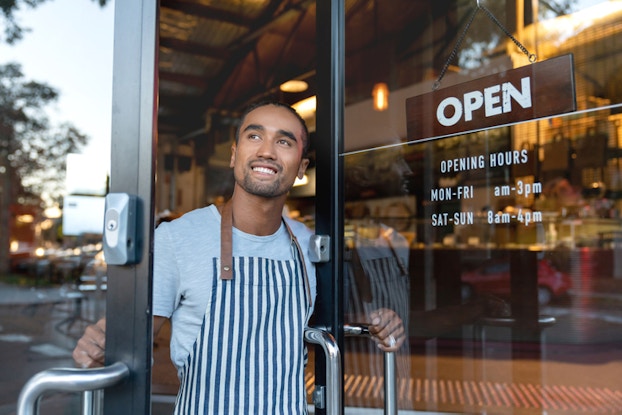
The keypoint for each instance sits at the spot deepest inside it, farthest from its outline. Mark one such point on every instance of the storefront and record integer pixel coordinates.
(497, 239)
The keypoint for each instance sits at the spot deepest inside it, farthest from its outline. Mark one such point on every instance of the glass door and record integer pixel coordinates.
(55, 86)
(125, 276)
(497, 246)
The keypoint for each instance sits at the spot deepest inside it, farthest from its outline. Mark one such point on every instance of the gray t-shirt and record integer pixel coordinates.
(183, 269)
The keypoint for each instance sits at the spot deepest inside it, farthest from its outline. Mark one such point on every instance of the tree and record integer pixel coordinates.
(32, 151)
(12, 30)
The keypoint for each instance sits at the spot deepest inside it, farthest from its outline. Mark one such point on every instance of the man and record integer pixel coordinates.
(236, 284)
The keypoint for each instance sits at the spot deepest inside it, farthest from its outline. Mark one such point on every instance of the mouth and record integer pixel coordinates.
(264, 169)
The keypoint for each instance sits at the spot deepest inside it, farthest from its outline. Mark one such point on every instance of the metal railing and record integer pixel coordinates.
(390, 379)
(333, 367)
(90, 382)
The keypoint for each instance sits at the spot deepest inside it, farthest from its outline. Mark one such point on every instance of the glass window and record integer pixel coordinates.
(506, 269)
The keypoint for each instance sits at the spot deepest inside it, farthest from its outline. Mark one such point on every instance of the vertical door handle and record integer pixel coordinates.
(333, 367)
(390, 379)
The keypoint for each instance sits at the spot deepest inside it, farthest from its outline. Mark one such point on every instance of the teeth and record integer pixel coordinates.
(263, 170)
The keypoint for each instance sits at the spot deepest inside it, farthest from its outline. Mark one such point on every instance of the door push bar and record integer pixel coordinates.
(89, 381)
(390, 380)
(92, 381)
(333, 399)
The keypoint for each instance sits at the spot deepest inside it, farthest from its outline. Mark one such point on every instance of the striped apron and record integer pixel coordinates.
(249, 355)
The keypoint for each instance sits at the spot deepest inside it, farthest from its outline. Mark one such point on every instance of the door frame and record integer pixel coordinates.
(133, 142)
(329, 197)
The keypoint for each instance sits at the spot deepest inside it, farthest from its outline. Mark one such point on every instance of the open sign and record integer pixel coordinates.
(533, 91)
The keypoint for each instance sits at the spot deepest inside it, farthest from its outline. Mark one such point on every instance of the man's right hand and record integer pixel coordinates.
(89, 351)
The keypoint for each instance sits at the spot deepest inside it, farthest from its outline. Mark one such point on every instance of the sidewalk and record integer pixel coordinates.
(39, 327)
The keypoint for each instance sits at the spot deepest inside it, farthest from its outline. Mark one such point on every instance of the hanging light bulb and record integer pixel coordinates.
(294, 86)
(381, 96)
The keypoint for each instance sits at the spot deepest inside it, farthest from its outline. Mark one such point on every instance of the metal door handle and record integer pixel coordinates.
(390, 380)
(69, 380)
(333, 367)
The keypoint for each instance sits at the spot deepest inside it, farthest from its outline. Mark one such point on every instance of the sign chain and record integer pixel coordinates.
(532, 57)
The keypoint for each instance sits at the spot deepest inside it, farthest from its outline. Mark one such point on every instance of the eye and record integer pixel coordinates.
(285, 142)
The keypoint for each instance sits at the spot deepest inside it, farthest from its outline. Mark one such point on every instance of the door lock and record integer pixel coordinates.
(319, 248)
(121, 236)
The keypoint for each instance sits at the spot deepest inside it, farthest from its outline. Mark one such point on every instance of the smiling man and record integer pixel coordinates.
(237, 283)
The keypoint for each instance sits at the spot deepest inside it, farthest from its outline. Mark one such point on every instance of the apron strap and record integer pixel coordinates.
(301, 258)
(363, 284)
(226, 242)
(226, 248)
(386, 235)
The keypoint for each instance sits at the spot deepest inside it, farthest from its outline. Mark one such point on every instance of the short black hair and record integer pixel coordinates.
(259, 104)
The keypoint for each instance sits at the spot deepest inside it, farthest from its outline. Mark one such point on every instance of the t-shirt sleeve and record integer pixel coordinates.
(165, 273)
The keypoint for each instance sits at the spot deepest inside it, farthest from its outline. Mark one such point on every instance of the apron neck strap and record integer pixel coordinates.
(303, 264)
(226, 242)
(226, 248)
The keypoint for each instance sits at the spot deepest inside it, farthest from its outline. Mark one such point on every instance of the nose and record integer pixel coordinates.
(266, 149)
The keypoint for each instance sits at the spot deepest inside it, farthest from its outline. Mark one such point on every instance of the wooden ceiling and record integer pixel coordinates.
(216, 56)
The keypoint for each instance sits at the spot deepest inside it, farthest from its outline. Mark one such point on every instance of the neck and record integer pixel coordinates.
(256, 215)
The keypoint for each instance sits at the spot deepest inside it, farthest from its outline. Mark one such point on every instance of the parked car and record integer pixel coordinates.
(494, 278)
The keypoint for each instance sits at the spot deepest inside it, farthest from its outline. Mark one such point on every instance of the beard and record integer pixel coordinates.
(268, 189)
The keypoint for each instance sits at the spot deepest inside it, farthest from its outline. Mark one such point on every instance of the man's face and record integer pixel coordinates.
(268, 156)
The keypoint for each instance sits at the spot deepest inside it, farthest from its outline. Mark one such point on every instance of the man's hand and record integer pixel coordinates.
(89, 351)
(387, 329)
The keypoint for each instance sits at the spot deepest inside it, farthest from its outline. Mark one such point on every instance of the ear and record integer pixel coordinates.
(302, 168)
(232, 161)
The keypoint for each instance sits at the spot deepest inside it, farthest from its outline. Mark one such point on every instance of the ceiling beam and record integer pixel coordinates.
(184, 79)
(207, 12)
(194, 48)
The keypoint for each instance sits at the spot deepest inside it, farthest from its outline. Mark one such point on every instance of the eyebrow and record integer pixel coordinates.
(259, 127)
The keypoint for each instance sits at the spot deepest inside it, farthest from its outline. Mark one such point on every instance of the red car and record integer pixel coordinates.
(494, 278)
